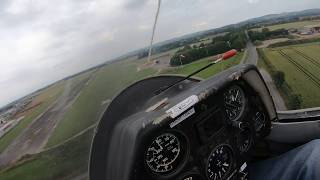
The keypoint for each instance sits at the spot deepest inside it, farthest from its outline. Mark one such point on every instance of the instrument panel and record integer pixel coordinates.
(199, 130)
(214, 142)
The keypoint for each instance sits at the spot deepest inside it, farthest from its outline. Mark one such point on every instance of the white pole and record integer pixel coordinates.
(154, 29)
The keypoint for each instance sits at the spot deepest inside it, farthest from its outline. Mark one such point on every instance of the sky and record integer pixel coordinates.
(42, 41)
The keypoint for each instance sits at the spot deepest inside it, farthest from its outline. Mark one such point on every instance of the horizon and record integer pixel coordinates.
(86, 64)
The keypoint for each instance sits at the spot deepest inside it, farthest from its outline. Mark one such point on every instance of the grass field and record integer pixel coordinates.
(63, 162)
(104, 85)
(189, 68)
(47, 97)
(301, 65)
(79, 79)
(298, 24)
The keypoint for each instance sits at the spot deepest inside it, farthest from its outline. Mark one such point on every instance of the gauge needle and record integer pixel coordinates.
(159, 145)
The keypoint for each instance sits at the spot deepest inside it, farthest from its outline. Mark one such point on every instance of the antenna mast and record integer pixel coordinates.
(154, 29)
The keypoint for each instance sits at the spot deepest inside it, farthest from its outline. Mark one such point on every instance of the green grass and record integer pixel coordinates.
(63, 162)
(301, 60)
(78, 80)
(47, 97)
(261, 63)
(105, 84)
(299, 24)
(311, 50)
(297, 81)
(189, 68)
(285, 90)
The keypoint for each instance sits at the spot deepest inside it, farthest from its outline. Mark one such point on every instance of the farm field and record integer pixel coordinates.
(301, 65)
(298, 24)
(46, 97)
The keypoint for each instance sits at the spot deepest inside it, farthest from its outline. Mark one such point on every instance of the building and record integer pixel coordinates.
(315, 28)
(309, 30)
(292, 30)
(305, 31)
(8, 125)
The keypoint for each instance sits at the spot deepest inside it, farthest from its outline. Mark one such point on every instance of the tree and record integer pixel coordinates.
(279, 78)
(265, 30)
(257, 43)
(186, 47)
(295, 101)
(267, 34)
(142, 54)
(202, 45)
(235, 39)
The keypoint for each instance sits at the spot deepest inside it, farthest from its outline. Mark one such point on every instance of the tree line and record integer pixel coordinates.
(168, 46)
(267, 34)
(220, 44)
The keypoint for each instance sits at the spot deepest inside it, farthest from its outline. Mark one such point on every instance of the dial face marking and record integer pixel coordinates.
(234, 102)
(225, 164)
(218, 164)
(162, 153)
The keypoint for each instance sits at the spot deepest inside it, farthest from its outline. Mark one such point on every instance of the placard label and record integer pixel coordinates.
(182, 117)
(179, 108)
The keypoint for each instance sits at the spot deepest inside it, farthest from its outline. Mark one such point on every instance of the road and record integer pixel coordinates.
(252, 58)
(252, 55)
(35, 136)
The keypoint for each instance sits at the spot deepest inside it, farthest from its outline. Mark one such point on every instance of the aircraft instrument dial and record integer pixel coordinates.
(219, 163)
(162, 153)
(234, 102)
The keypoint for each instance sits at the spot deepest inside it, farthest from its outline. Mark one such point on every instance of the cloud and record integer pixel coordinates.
(200, 24)
(44, 40)
(19, 7)
(253, 1)
(134, 4)
(144, 27)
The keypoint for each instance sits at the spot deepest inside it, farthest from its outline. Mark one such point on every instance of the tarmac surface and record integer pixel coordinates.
(252, 55)
(33, 138)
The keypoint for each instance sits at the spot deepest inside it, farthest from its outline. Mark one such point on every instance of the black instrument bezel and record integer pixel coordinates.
(183, 156)
(231, 163)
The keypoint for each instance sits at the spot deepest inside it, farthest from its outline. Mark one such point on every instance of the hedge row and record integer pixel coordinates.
(292, 100)
(294, 42)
